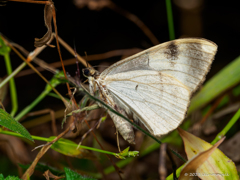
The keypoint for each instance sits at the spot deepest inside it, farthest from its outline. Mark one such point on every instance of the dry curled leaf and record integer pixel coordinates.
(47, 174)
(48, 15)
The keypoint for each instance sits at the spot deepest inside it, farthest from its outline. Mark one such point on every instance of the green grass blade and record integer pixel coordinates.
(170, 20)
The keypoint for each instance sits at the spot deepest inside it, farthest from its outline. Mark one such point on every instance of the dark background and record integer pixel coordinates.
(99, 31)
(104, 30)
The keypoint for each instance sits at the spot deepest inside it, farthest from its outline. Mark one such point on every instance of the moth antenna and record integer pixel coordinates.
(86, 58)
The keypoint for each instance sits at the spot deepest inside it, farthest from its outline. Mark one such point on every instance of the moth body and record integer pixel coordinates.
(122, 126)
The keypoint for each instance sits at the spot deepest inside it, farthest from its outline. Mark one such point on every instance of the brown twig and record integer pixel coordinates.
(36, 60)
(45, 111)
(162, 170)
(135, 20)
(44, 149)
(30, 1)
(100, 4)
(214, 106)
(43, 66)
(2, 106)
(66, 46)
(43, 119)
(90, 130)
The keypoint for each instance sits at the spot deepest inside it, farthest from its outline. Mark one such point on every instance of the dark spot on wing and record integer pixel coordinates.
(136, 87)
(172, 52)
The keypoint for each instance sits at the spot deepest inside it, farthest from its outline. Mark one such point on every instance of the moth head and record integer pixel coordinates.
(87, 72)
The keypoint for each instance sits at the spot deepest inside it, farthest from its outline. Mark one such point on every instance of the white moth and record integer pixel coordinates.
(155, 85)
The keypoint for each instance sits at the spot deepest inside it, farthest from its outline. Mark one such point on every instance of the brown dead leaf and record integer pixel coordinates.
(30, 170)
(48, 15)
(47, 174)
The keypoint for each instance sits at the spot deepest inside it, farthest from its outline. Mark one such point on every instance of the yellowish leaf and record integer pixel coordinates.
(211, 162)
(71, 150)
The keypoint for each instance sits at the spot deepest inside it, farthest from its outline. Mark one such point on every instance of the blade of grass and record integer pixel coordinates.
(170, 20)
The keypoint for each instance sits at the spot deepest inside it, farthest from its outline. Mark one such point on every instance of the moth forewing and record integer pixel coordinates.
(156, 85)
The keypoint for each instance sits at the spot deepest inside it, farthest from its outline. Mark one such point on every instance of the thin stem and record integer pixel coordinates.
(35, 102)
(31, 106)
(170, 20)
(13, 74)
(59, 141)
(67, 47)
(56, 96)
(227, 127)
(27, 1)
(12, 85)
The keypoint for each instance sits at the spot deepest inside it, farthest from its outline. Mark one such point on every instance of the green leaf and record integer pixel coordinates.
(127, 153)
(9, 178)
(223, 80)
(71, 150)
(12, 178)
(71, 175)
(42, 168)
(9, 122)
